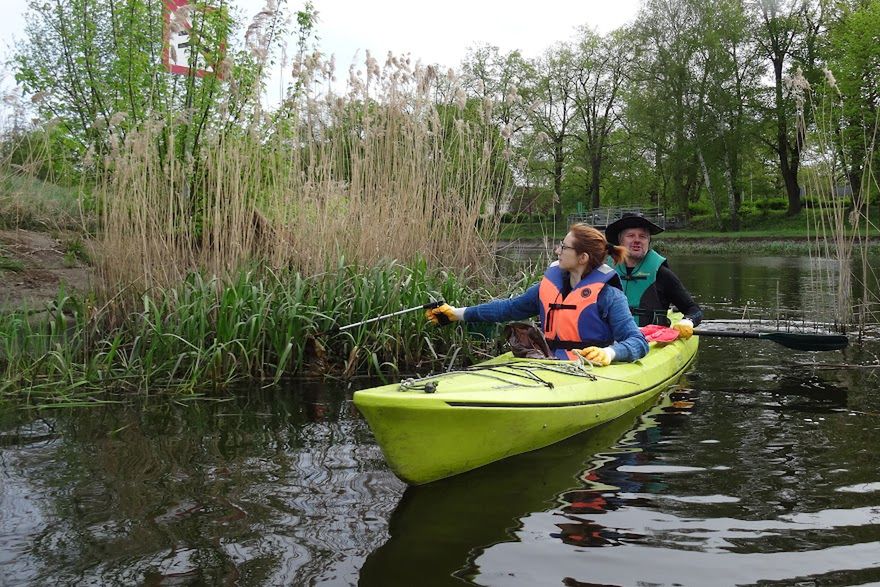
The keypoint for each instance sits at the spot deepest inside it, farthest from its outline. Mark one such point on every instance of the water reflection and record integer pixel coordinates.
(762, 471)
(696, 502)
(255, 489)
(438, 530)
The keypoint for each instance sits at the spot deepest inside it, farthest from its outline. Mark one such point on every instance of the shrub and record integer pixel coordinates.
(814, 202)
(699, 208)
(772, 204)
(748, 209)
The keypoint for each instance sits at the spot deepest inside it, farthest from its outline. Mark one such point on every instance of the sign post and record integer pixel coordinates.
(193, 51)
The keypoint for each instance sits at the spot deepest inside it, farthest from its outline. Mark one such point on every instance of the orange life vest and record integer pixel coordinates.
(573, 321)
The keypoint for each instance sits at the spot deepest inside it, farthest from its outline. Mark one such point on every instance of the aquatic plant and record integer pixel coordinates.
(841, 225)
(259, 326)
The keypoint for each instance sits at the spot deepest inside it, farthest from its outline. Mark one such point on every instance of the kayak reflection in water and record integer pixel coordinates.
(579, 315)
(615, 483)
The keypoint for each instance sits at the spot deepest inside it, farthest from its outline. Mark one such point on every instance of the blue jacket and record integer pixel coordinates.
(629, 345)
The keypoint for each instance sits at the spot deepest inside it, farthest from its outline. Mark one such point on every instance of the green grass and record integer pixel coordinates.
(30, 203)
(8, 264)
(532, 230)
(734, 246)
(75, 252)
(773, 224)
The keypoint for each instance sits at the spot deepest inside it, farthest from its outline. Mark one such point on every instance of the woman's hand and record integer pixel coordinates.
(596, 355)
(685, 329)
(451, 313)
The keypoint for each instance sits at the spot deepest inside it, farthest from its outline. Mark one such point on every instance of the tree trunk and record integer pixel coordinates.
(595, 180)
(732, 196)
(558, 160)
(731, 178)
(708, 182)
(789, 156)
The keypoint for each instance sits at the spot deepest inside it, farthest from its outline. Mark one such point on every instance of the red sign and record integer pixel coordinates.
(188, 51)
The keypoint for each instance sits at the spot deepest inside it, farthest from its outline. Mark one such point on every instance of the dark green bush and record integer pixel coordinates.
(814, 202)
(699, 208)
(772, 204)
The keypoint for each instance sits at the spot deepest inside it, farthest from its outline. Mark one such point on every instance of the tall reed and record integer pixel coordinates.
(237, 260)
(848, 288)
(383, 172)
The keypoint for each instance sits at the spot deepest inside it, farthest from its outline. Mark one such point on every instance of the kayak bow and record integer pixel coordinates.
(443, 425)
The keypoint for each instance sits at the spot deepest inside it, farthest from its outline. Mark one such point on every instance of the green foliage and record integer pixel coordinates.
(75, 251)
(849, 95)
(699, 208)
(95, 69)
(519, 217)
(776, 203)
(9, 264)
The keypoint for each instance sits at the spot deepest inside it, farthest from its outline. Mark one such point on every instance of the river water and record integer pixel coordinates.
(759, 468)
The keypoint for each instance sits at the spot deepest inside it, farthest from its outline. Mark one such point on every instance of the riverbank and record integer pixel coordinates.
(258, 325)
(35, 266)
(692, 244)
(760, 230)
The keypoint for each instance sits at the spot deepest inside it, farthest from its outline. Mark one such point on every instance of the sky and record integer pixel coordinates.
(433, 32)
(442, 31)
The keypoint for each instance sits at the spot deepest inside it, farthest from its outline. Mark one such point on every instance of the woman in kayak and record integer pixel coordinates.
(579, 314)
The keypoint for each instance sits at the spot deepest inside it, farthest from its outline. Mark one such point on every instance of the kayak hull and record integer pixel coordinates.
(444, 425)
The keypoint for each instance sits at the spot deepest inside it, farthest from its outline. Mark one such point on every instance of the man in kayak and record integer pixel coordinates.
(648, 282)
(579, 302)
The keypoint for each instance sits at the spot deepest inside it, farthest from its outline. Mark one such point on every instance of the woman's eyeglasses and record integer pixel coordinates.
(562, 246)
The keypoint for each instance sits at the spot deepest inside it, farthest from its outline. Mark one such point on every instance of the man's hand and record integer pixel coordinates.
(451, 313)
(596, 355)
(685, 329)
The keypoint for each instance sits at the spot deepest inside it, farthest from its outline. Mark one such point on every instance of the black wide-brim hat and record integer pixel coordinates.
(629, 220)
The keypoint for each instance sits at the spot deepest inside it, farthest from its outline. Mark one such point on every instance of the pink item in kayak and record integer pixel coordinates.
(657, 333)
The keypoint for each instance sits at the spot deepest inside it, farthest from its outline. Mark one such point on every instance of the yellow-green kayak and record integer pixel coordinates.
(446, 424)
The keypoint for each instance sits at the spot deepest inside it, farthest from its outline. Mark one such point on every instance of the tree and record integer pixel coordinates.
(495, 81)
(727, 66)
(551, 113)
(93, 64)
(853, 82)
(659, 101)
(786, 34)
(600, 64)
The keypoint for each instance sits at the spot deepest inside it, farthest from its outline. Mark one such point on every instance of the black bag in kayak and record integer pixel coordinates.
(526, 341)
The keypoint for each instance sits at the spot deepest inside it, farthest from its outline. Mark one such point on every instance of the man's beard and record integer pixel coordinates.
(639, 256)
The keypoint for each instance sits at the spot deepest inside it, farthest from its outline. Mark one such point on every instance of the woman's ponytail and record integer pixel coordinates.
(618, 253)
(592, 242)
